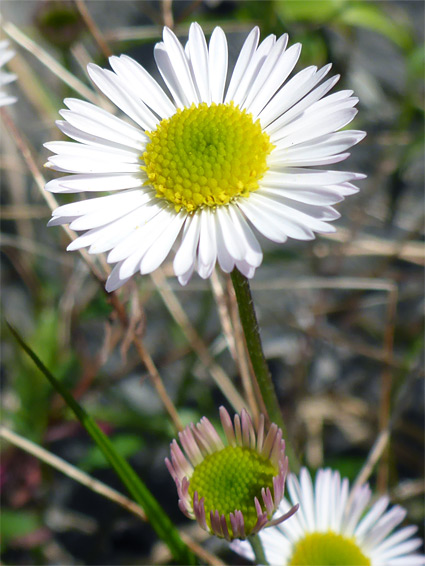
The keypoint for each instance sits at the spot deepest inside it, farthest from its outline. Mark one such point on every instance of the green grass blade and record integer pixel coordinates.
(141, 494)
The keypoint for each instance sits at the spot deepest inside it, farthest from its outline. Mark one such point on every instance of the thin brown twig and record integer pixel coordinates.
(157, 381)
(386, 385)
(51, 63)
(97, 487)
(223, 313)
(93, 28)
(27, 155)
(197, 344)
(167, 13)
(374, 455)
(72, 472)
(23, 145)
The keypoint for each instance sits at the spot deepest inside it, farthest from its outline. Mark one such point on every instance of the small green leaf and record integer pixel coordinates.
(373, 17)
(125, 444)
(15, 524)
(316, 11)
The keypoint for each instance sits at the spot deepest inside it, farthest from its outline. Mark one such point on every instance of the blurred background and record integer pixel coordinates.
(341, 317)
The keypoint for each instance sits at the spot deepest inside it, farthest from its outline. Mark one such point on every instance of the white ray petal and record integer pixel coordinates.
(115, 281)
(112, 86)
(207, 250)
(293, 91)
(95, 182)
(251, 72)
(198, 61)
(93, 152)
(142, 85)
(88, 164)
(217, 64)
(89, 139)
(185, 257)
(144, 229)
(260, 87)
(245, 56)
(309, 128)
(159, 250)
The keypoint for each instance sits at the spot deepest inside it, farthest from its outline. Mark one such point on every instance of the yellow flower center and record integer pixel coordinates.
(206, 156)
(327, 549)
(230, 479)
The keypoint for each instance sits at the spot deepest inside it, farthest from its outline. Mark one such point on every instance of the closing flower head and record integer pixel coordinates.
(337, 526)
(199, 169)
(232, 489)
(5, 78)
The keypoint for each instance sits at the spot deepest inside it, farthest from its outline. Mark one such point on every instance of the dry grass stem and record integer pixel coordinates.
(413, 252)
(197, 344)
(135, 33)
(51, 63)
(158, 384)
(93, 29)
(72, 472)
(96, 486)
(223, 313)
(24, 211)
(27, 155)
(386, 384)
(167, 13)
(375, 454)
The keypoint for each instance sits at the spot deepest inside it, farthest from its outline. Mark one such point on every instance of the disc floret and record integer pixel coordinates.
(206, 156)
(232, 489)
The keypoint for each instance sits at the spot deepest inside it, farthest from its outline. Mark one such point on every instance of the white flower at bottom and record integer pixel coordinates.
(198, 170)
(5, 78)
(336, 526)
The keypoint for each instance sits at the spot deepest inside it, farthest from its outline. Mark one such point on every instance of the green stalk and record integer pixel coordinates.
(259, 364)
(157, 517)
(257, 548)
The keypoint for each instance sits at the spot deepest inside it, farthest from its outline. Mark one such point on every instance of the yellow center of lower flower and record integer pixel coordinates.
(206, 156)
(327, 549)
(230, 479)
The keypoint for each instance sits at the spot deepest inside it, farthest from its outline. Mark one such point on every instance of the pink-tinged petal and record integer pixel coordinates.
(276, 450)
(181, 465)
(171, 469)
(224, 528)
(245, 421)
(227, 425)
(284, 517)
(199, 510)
(215, 523)
(260, 434)
(268, 443)
(268, 501)
(190, 447)
(203, 443)
(278, 489)
(238, 431)
(210, 434)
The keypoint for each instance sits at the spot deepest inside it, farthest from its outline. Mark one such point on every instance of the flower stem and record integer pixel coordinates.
(257, 547)
(258, 360)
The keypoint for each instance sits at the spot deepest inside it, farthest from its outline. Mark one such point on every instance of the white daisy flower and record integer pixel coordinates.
(336, 526)
(199, 169)
(5, 78)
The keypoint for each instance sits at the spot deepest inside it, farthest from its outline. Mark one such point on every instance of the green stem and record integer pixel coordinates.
(257, 547)
(258, 360)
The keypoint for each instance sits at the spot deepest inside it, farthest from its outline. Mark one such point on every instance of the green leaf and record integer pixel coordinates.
(125, 444)
(141, 494)
(373, 17)
(15, 524)
(316, 11)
